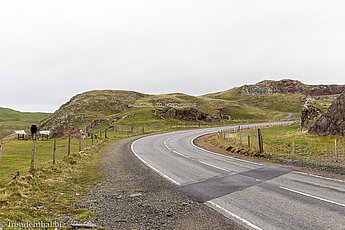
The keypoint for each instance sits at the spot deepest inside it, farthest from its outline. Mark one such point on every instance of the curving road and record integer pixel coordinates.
(255, 195)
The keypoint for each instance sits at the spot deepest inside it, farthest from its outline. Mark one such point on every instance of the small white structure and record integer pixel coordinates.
(21, 134)
(45, 133)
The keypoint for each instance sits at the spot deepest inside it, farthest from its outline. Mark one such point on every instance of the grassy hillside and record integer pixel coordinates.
(11, 120)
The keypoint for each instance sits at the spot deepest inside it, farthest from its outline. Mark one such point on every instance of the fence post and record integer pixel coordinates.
(114, 131)
(106, 134)
(261, 146)
(87, 139)
(79, 143)
(54, 150)
(33, 153)
(293, 147)
(336, 150)
(100, 135)
(69, 145)
(0, 148)
(248, 141)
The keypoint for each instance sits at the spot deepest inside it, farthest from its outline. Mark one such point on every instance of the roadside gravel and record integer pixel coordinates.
(132, 196)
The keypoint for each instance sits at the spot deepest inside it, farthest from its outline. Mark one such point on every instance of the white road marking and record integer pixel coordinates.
(181, 154)
(319, 176)
(315, 197)
(153, 168)
(248, 162)
(215, 166)
(234, 215)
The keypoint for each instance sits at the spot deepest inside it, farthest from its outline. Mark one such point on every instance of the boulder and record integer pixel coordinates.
(309, 113)
(333, 121)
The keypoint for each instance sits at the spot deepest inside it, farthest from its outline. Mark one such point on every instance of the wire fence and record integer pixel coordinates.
(288, 142)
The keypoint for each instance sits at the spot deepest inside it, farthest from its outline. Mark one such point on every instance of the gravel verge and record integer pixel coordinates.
(132, 196)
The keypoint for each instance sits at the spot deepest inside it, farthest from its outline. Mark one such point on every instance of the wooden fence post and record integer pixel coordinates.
(336, 150)
(87, 138)
(69, 145)
(33, 153)
(54, 150)
(100, 135)
(248, 141)
(106, 134)
(0, 148)
(261, 145)
(79, 143)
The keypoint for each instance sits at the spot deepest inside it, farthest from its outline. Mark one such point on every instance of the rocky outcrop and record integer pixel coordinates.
(333, 121)
(288, 86)
(309, 113)
(189, 114)
(89, 109)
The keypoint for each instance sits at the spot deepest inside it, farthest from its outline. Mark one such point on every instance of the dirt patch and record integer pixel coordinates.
(132, 196)
(330, 170)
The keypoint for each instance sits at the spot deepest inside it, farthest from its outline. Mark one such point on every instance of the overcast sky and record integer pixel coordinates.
(52, 50)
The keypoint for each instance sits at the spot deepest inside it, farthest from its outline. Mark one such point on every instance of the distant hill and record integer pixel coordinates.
(286, 86)
(267, 100)
(11, 120)
(101, 109)
(284, 95)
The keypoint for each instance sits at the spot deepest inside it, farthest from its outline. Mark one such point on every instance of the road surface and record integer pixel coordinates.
(255, 195)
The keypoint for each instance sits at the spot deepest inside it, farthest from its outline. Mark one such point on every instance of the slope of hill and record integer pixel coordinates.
(105, 108)
(11, 120)
(267, 100)
(284, 95)
(286, 86)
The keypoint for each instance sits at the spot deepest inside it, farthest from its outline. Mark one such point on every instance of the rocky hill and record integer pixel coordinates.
(267, 100)
(286, 86)
(290, 87)
(331, 122)
(83, 109)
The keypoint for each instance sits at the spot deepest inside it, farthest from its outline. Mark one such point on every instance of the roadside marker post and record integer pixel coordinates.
(33, 130)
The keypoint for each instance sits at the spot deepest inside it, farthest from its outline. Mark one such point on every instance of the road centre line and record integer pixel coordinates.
(153, 168)
(215, 166)
(321, 177)
(192, 142)
(312, 196)
(233, 215)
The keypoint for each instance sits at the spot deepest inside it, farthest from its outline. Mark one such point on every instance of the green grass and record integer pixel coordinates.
(53, 188)
(11, 120)
(278, 143)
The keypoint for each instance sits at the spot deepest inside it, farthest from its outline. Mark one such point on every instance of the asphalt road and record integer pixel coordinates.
(255, 195)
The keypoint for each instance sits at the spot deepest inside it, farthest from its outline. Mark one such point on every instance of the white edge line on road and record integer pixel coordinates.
(215, 166)
(312, 196)
(319, 176)
(234, 215)
(233, 158)
(153, 168)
